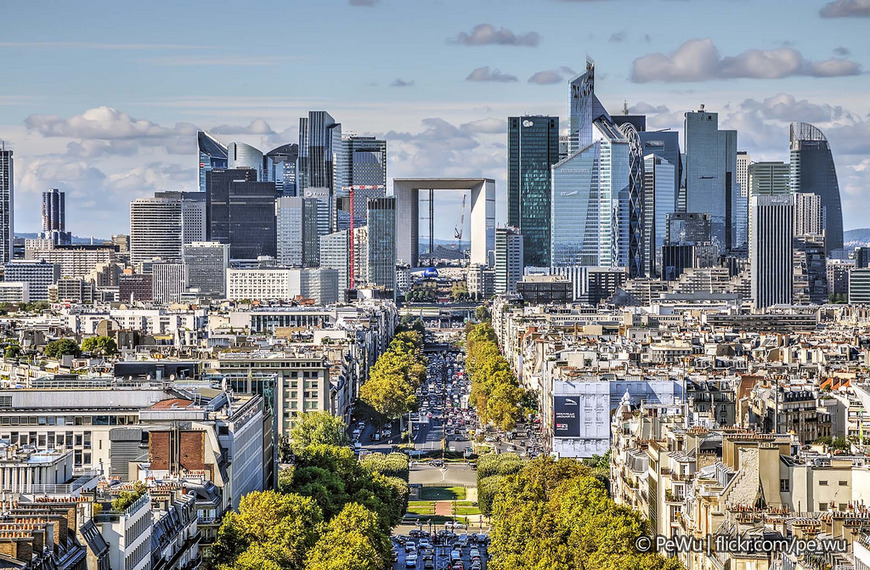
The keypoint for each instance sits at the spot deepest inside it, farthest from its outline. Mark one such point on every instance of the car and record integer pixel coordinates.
(410, 548)
(474, 553)
(411, 561)
(424, 543)
(455, 555)
(428, 563)
(436, 463)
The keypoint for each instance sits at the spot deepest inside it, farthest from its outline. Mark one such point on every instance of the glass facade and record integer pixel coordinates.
(241, 213)
(279, 166)
(381, 254)
(635, 207)
(533, 147)
(813, 172)
(241, 155)
(212, 155)
(575, 211)
(660, 200)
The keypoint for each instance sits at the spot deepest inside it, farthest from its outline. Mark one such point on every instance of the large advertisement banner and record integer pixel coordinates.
(566, 416)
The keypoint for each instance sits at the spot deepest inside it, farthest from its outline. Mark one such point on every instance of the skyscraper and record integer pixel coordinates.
(577, 211)
(319, 144)
(660, 197)
(155, 229)
(768, 178)
(363, 161)
(193, 218)
(771, 228)
(533, 147)
(335, 254)
(279, 166)
(167, 282)
(7, 203)
(241, 213)
(508, 259)
(813, 171)
(381, 254)
(634, 208)
(711, 168)
(743, 162)
(241, 155)
(212, 155)
(583, 108)
(54, 217)
(809, 215)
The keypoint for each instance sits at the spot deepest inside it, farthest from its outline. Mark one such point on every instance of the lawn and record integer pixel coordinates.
(442, 494)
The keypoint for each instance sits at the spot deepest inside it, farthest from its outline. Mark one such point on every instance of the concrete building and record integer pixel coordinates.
(809, 215)
(321, 285)
(14, 292)
(38, 275)
(7, 220)
(480, 281)
(134, 287)
(859, 287)
(509, 259)
(194, 226)
(155, 229)
(771, 223)
(75, 261)
(335, 254)
(167, 280)
(54, 217)
(205, 267)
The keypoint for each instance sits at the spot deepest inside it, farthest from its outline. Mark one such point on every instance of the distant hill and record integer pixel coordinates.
(75, 239)
(858, 236)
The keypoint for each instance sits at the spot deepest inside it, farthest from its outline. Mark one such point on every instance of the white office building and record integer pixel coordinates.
(771, 229)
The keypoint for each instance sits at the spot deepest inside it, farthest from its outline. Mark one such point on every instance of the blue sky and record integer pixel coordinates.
(102, 99)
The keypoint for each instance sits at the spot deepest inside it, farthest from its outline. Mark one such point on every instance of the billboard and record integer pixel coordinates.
(566, 416)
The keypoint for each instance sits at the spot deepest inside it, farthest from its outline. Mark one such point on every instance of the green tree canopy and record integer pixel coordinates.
(353, 539)
(314, 428)
(61, 347)
(102, 345)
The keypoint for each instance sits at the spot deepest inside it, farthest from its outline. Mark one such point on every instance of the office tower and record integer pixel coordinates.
(838, 277)
(633, 207)
(205, 267)
(813, 172)
(270, 284)
(381, 254)
(319, 145)
(810, 271)
(38, 275)
(862, 257)
(54, 217)
(859, 287)
(321, 199)
(167, 281)
(636, 121)
(121, 242)
(241, 213)
(363, 162)
(242, 156)
(193, 216)
(659, 201)
(771, 223)
(711, 165)
(509, 259)
(583, 108)
(743, 162)
(335, 254)
(212, 155)
(533, 147)
(135, 287)
(480, 282)
(361, 262)
(809, 215)
(289, 230)
(279, 166)
(7, 202)
(155, 229)
(688, 228)
(665, 144)
(768, 178)
(581, 222)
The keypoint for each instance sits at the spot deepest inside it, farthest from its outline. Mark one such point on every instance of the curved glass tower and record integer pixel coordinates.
(212, 154)
(241, 155)
(636, 196)
(813, 172)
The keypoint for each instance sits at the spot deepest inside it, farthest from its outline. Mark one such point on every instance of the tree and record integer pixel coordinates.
(353, 540)
(315, 428)
(482, 314)
(273, 529)
(64, 346)
(102, 345)
(411, 323)
(392, 465)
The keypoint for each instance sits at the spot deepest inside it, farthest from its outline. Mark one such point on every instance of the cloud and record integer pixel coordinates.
(846, 9)
(552, 76)
(97, 123)
(401, 83)
(487, 74)
(363, 2)
(643, 108)
(257, 127)
(699, 60)
(785, 107)
(485, 126)
(618, 37)
(99, 46)
(487, 34)
(842, 51)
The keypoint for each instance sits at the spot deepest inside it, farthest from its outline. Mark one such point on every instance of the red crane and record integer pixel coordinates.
(352, 248)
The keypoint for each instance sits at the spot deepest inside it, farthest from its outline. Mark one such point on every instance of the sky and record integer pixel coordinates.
(103, 99)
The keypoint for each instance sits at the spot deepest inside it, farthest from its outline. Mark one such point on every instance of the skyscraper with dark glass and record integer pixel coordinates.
(583, 108)
(381, 248)
(6, 203)
(54, 217)
(813, 172)
(212, 154)
(279, 166)
(319, 145)
(240, 212)
(533, 147)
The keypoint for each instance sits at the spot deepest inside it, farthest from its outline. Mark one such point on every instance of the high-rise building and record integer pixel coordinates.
(533, 147)
(155, 229)
(335, 254)
(660, 197)
(771, 223)
(711, 168)
(289, 230)
(321, 285)
(167, 280)
(583, 108)
(665, 144)
(241, 155)
(688, 228)
(768, 178)
(810, 271)
(319, 146)
(634, 208)
(7, 203)
(581, 219)
(212, 155)
(241, 213)
(743, 162)
(54, 217)
(809, 215)
(362, 162)
(381, 254)
(205, 267)
(813, 172)
(193, 216)
(279, 166)
(859, 287)
(135, 287)
(509, 259)
(38, 275)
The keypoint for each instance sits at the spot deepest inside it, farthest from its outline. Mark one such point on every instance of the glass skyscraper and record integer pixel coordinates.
(212, 154)
(635, 206)
(319, 145)
(241, 155)
(240, 212)
(659, 201)
(279, 166)
(381, 247)
(583, 108)
(533, 147)
(813, 172)
(575, 210)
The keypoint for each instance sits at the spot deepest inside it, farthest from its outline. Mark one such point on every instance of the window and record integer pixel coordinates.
(844, 483)
(823, 483)
(783, 485)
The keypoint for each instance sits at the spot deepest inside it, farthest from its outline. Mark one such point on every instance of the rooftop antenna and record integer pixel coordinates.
(624, 107)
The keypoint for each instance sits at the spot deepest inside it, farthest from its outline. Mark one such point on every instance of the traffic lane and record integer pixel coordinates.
(441, 558)
(452, 474)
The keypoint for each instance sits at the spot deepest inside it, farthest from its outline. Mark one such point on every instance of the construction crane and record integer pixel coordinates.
(457, 231)
(350, 237)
